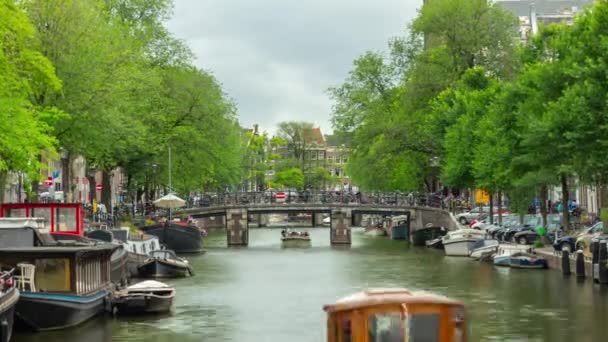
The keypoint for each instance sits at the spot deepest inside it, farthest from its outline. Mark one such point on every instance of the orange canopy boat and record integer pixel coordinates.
(396, 315)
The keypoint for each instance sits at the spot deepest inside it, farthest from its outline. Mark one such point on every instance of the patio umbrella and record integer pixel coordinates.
(170, 201)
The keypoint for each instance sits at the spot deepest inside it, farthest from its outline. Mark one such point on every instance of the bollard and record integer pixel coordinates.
(594, 247)
(601, 265)
(565, 263)
(580, 264)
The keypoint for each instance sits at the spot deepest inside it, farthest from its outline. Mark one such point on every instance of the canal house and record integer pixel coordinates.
(396, 315)
(62, 283)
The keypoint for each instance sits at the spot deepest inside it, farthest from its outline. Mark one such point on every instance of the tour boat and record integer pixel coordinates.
(505, 251)
(149, 296)
(459, 242)
(422, 235)
(396, 315)
(399, 227)
(295, 239)
(483, 248)
(164, 264)
(177, 236)
(527, 260)
(61, 283)
(376, 229)
(9, 295)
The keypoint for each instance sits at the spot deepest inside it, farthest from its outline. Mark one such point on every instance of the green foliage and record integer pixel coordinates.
(538, 244)
(290, 178)
(25, 126)
(105, 79)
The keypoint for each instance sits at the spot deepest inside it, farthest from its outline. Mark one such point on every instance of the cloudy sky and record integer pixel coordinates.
(276, 58)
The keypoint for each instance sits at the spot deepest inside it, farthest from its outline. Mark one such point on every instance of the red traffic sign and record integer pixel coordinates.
(49, 181)
(280, 195)
(98, 187)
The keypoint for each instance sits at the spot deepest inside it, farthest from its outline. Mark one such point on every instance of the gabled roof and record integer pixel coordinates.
(315, 136)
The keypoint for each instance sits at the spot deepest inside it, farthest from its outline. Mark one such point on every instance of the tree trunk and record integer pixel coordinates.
(3, 176)
(92, 188)
(106, 190)
(543, 204)
(491, 208)
(499, 207)
(65, 178)
(565, 198)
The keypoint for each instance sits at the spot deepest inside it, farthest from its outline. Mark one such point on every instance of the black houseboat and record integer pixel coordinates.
(181, 238)
(62, 283)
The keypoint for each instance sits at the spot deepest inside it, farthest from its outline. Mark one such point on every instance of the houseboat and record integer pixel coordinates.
(399, 227)
(177, 236)
(9, 295)
(62, 283)
(396, 315)
(459, 242)
(65, 222)
(138, 247)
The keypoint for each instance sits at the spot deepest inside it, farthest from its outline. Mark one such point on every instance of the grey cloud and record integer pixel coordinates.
(277, 58)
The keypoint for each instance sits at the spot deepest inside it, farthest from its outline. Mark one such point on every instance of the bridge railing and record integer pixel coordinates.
(316, 197)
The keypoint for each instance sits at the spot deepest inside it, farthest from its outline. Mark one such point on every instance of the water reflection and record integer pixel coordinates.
(266, 293)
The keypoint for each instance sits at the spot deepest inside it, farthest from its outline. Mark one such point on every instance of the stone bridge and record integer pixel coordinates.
(343, 216)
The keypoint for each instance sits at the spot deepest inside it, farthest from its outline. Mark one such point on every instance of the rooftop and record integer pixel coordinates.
(542, 7)
(382, 296)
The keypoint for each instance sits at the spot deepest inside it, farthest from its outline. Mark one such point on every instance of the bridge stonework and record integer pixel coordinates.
(237, 232)
(340, 232)
(342, 216)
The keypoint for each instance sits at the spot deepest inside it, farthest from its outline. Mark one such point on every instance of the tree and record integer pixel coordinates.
(291, 178)
(25, 126)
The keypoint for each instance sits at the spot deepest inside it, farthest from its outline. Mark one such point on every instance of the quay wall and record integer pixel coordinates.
(554, 261)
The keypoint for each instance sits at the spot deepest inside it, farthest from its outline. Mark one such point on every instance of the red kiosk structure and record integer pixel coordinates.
(60, 218)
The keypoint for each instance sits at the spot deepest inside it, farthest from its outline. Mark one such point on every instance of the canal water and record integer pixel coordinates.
(266, 293)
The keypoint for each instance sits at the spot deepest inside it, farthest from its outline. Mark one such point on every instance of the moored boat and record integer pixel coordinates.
(504, 252)
(137, 246)
(396, 315)
(399, 227)
(62, 284)
(420, 236)
(375, 229)
(295, 239)
(527, 260)
(435, 243)
(9, 295)
(177, 236)
(483, 248)
(459, 242)
(165, 264)
(148, 296)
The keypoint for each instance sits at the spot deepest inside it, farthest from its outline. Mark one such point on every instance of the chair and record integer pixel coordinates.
(26, 276)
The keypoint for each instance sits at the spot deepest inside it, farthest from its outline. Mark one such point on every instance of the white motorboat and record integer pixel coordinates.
(149, 296)
(505, 251)
(484, 248)
(459, 242)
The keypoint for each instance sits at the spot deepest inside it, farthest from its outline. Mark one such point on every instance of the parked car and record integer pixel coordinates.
(465, 218)
(530, 235)
(530, 221)
(583, 240)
